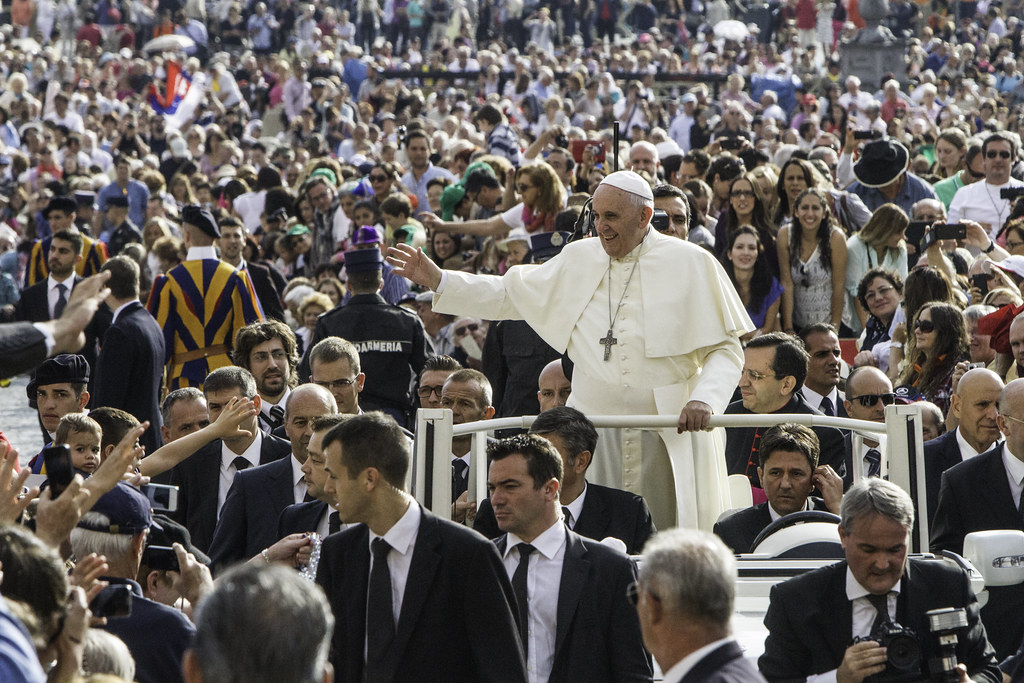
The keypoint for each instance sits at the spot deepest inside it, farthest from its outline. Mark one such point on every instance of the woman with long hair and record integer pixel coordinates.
(812, 264)
(941, 341)
(443, 246)
(745, 208)
(879, 244)
(950, 153)
(923, 286)
(795, 176)
(747, 265)
(766, 182)
(542, 196)
(181, 189)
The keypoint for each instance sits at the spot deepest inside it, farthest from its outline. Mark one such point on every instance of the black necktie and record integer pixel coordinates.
(380, 615)
(827, 407)
(241, 463)
(333, 523)
(874, 458)
(567, 515)
(62, 300)
(276, 418)
(881, 605)
(519, 588)
(460, 482)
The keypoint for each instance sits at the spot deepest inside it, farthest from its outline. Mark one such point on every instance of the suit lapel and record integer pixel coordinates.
(356, 583)
(209, 478)
(594, 517)
(425, 560)
(839, 613)
(280, 487)
(575, 568)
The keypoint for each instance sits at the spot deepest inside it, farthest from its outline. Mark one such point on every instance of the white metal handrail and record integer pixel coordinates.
(431, 472)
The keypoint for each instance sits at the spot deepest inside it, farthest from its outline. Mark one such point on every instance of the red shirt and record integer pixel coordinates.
(806, 15)
(91, 33)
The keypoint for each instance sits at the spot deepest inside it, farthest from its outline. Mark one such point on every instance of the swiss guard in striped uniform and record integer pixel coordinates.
(60, 213)
(200, 305)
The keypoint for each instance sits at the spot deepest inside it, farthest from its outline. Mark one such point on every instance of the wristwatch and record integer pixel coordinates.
(991, 247)
(896, 345)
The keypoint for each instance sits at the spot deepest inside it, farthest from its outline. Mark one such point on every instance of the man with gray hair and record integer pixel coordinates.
(684, 598)
(813, 617)
(286, 635)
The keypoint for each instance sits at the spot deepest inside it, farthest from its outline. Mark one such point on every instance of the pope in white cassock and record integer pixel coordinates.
(653, 326)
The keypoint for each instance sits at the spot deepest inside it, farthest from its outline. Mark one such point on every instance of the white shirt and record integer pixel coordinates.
(52, 294)
(543, 581)
(1014, 473)
(299, 481)
(967, 450)
(683, 666)
(863, 616)
(198, 253)
(576, 508)
(227, 467)
(981, 202)
(813, 398)
(776, 516)
(265, 407)
(402, 539)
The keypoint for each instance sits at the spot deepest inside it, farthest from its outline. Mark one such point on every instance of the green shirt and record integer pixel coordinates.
(945, 189)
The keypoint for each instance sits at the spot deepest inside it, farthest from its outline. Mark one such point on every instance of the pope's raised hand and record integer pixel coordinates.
(415, 265)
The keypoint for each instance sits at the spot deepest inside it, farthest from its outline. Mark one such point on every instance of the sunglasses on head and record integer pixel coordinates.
(925, 326)
(870, 400)
(992, 154)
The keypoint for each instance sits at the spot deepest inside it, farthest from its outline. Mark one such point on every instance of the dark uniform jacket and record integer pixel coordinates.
(514, 356)
(392, 345)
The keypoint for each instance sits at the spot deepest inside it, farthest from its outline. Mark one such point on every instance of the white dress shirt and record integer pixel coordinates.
(227, 467)
(863, 616)
(813, 398)
(52, 294)
(967, 450)
(542, 585)
(576, 508)
(298, 481)
(402, 539)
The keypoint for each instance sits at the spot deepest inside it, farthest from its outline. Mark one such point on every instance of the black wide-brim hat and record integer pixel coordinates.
(881, 162)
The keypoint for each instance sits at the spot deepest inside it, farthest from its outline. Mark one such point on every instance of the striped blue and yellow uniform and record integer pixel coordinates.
(94, 255)
(200, 305)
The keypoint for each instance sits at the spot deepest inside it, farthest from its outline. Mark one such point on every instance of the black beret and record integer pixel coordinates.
(67, 367)
(63, 204)
(193, 214)
(119, 201)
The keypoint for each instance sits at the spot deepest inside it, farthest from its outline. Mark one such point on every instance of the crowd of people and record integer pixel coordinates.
(241, 244)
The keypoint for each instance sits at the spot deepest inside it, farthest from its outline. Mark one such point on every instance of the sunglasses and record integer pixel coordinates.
(378, 178)
(870, 400)
(925, 326)
(472, 327)
(741, 193)
(1002, 154)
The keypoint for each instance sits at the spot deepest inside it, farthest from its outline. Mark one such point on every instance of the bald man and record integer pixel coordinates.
(974, 405)
(553, 387)
(868, 392)
(643, 156)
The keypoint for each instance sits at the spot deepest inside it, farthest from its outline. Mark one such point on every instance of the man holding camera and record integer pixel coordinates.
(985, 202)
(827, 624)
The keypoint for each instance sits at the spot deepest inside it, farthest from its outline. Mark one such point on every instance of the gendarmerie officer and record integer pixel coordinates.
(392, 343)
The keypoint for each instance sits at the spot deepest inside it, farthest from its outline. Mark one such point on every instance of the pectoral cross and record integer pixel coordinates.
(608, 340)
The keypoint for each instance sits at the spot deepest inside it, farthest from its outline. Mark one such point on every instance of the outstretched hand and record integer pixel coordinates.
(237, 411)
(415, 265)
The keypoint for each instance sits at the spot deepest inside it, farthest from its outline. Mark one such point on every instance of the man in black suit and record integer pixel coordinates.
(774, 367)
(47, 299)
(467, 393)
(684, 599)
(574, 617)
(974, 405)
(130, 366)
(868, 392)
(249, 519)
(317, 514)
(592, 511)
(982, 494)
(821, 386)
(813, 618)
(231, 243)
(269, 350)
(454, 619)
(789, 472)
(205, 477)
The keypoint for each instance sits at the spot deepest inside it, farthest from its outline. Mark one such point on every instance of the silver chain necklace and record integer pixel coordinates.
(999, 212)
(608, 339)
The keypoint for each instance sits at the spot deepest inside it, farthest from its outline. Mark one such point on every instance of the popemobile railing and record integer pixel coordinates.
(901, 448)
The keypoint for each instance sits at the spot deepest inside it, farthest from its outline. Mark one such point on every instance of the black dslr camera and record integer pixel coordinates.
(903, 654)
(660, 220)
(1011, 193)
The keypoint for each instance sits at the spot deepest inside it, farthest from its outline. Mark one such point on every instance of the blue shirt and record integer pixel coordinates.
(18, 661)
(138, 197)
(420, 187)
(913, 191)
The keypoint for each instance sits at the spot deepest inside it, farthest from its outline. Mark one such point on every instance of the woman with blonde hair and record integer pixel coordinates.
(542, 197)
(879, 244)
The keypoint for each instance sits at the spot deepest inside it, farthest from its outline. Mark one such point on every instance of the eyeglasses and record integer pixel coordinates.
(263, 356)
(1011, 417)
(472, 327)
(870, 400)
(878, 293)
(754, 375)
(336, 384)
(1013, 245)
(992, 154)
(974, 174)
(425, 391)
(377, 178)
(925, 326)
(523, 188)
(742, 193)
(633, 593)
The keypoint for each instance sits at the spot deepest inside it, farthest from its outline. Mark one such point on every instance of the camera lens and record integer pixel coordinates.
(903, 652)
